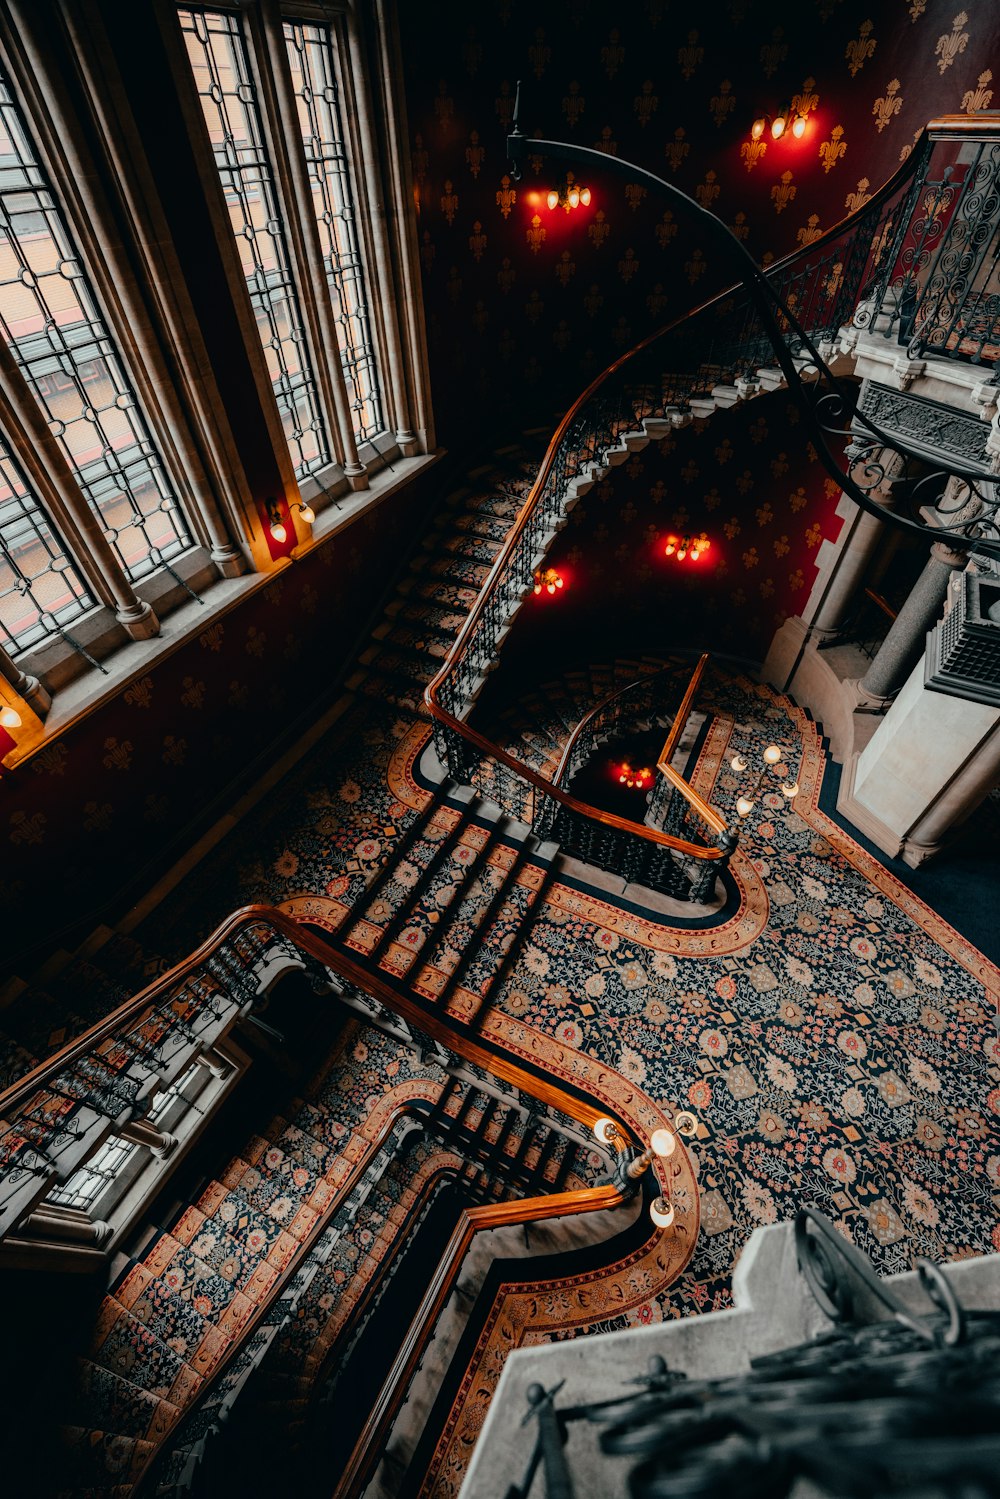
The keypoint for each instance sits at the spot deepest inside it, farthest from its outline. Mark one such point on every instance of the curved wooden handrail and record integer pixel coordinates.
(942, 127)
(683, 712)
(471, 1221)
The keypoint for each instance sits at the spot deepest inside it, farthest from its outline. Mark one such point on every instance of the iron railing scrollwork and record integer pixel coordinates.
(889, 1401)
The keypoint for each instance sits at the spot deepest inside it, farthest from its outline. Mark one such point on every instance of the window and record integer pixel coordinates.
(51, 322)
(311, 59)
(40, 589)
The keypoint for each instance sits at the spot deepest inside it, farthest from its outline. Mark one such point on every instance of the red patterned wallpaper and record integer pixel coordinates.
(524, 303)
(119, 785)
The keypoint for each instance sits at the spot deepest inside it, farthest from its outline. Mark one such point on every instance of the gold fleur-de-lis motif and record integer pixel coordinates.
(599, 229)
(739, 228)
(613, 55)
(634, 194)
(758, 430)
(607, 142)
(506, 275)
(706, 192)
(211, 639)
(750, 558)
(140, 694)
(562, 336)
(594, 300)
(745, 482)
(503, 104)
(535, 235)
(621, 333)
(917, 8)
(724, 451)
(722, 104)
(832, 150)
(666, 229)
(472, 52)
(857, 200)
(193, 695)
(427, 252)
(474, 153)
(444, 108)
(781, 547)
(690, 56)
(454, 285)
(449, 202)
(97, 816)
(676, 150)
(420, 159)
(833, 281)
(952, 43)
(696, 267)
(783, 192)
(732, 528)
(25, 829)
(51, 761)
(628, 265)
(807, 100)
(796, 580)
(861, 48)
(477, 241)
(809, 231)
(774, 52)
(539, 54)
(889, 104)
(752, 153)
(646, 103)
(814, 535)
(973, 100)
(534, 307)
(565, 269)
(689, 473)
(256, 642)
(657, 300)
(175, 750)
(119, 755)
(506, 196)
(573, 104)
(480, 317)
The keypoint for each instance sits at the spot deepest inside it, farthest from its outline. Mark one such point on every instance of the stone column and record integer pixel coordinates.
(844, 564)
(156, 1141)
(904, 644)
(72, 1225)
(27, 688)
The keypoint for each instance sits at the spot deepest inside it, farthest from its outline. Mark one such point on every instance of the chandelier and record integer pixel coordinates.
(570, 195)
(771, 764)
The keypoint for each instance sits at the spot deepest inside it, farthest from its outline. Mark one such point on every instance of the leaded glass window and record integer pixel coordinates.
(310, 55)
(50, 319)
(40, 590)
(218, 56)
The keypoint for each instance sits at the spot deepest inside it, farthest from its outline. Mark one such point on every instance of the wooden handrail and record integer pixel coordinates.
(944, 125)
(472, 1221)
(881, 603)
(683, 712)
(707, 813)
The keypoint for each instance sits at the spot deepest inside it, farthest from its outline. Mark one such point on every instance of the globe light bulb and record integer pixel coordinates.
(9, 718)
(307, 513)
(744, 806)
(585, 196)
(772, 754)
(799, 127)
(777, 127)
(664, 1142)
(661, 1212)
(606, 1131)
(757, 128)
(738, 764)
(552, 198)
(278, 531)
(671, 546)
(791, 789)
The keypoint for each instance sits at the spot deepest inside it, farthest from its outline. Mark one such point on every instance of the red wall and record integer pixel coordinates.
(117, 789)
(515, 319)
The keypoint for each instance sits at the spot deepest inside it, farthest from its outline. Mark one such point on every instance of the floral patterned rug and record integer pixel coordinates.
(836, 1038)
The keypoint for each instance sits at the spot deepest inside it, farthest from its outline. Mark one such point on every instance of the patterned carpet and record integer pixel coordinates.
(834, 1036)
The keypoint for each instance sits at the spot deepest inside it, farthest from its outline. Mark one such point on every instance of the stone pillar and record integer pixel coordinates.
(71, 1225)
(157, 1141)
(930, 762)
(844, 565)
(27, 688)
(904, 644)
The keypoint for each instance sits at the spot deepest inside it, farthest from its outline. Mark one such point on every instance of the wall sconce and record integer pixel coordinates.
(771, 761)
(662, 1144)
(639, 780)
(549, 580)
(306, 511)
(9, 718)
(786, 121)
(686, 546)
(570, 195)
(276, 526)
